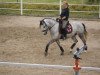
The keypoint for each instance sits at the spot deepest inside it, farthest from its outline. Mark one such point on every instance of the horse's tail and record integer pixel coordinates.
(85, 31)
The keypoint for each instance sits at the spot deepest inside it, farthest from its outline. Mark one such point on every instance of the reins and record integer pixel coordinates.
(48, 28)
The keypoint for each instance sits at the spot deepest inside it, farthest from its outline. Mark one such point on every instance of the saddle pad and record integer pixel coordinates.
(69, 28)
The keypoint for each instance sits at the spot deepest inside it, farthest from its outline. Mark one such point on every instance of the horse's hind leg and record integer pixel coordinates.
(83, 40)
(61, 48)
(73, 45)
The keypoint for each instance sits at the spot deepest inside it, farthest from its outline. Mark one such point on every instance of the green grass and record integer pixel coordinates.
(49, 7)
(41, 14)
(41, 1)
(86, 15)
(49, 13)
(9, 12)
(84, 8)
(51, 1)
(45, 1)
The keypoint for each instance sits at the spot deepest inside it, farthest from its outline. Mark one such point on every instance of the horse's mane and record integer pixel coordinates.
(49, 18)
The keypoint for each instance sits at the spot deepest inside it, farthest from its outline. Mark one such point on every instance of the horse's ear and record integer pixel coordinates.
(40, 23)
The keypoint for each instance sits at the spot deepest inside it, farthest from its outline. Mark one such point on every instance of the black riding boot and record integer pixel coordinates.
(64, 34)
(62, 37)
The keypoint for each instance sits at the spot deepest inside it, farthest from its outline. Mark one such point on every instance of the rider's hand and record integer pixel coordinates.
(57, 19)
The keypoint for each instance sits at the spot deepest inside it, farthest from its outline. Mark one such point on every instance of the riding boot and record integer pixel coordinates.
(64, 33)
(65, 36)
(62, 37)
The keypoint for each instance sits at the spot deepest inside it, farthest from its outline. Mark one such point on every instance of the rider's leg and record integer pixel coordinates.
(64, 28)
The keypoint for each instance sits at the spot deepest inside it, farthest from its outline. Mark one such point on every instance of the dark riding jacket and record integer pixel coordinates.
(65, 12)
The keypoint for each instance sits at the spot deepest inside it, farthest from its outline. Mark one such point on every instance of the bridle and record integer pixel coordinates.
(48, 28)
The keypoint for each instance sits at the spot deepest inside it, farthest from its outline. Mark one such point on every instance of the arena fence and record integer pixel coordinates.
(28, 65)
(47, 8)
(41, 66)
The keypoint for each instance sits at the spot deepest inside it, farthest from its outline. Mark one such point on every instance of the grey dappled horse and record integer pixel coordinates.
(49, 24)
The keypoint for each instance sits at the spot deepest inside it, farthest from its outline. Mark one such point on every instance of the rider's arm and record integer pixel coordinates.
(64, 17)
(65, 14)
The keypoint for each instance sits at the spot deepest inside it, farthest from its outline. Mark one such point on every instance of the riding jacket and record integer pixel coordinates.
(65, 12)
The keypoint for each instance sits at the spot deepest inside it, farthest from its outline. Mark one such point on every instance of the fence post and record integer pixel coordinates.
(21, 7)
(60, 7)
(99, 9)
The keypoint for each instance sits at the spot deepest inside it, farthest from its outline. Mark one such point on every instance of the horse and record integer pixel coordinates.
(49, 24)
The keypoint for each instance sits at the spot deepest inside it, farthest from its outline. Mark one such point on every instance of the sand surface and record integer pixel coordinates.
(22, 41)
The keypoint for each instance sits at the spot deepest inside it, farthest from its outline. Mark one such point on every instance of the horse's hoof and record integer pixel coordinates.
(70, 52)
(62, 53)
(85, 51)
(86, 48)
(45, 54)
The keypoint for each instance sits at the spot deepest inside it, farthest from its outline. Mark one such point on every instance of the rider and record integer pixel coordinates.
(64, 18)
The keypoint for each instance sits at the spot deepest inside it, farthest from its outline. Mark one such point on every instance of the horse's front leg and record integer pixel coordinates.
(47, 46)
(61, 48)
(75, 42)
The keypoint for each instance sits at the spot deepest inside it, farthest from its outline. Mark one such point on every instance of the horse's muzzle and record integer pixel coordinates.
(45, 32)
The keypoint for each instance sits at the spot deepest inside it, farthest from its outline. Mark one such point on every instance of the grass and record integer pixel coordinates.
(49, 7)
(50, 1)
(45, 1)
(41, 1)
(42, 13)
(9, 12)
(86, 15)
(49, 13)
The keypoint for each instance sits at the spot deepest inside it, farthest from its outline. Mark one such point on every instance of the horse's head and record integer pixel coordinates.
(43, 27)
(47, 24)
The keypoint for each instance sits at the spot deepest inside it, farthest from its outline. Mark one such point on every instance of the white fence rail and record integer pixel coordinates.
(27, 65)
(21, 6)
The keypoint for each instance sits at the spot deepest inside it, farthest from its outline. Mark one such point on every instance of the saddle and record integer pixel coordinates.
(67, 30)
(64, 31)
